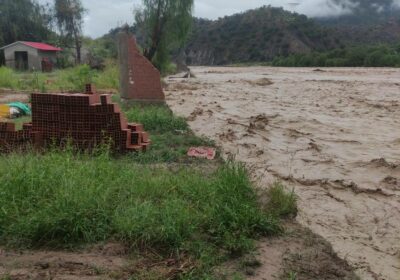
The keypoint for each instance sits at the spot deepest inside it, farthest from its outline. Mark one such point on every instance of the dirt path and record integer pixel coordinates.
(333, 135)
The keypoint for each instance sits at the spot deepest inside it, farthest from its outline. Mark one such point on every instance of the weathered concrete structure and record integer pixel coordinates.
(140, 81)
(25, 56)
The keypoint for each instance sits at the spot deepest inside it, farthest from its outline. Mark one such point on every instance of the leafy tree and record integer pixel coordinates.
(164, 25)
(23, 20)
(69, 17)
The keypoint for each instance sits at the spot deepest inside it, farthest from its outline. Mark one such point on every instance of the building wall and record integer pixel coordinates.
(34, 62)
(34, 56)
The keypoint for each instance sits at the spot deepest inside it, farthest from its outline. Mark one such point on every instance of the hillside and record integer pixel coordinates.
(256, 35)
(267, 33)
(367, 22)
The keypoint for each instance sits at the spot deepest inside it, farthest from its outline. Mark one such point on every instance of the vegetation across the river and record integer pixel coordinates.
(360, 56)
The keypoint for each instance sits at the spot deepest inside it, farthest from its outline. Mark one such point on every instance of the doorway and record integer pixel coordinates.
(21, 61)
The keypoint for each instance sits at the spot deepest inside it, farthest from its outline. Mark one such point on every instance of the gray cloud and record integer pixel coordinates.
(105, 14)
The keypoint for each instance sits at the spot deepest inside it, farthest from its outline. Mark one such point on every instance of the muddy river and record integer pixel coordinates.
(332, 135)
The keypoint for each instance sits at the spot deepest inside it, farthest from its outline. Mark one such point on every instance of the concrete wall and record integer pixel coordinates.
(33, 60)
(34, 56)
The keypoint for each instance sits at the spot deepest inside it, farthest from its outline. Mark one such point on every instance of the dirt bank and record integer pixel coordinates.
(333, 135)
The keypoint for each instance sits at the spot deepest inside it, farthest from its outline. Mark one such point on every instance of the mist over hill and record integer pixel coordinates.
(363, 12)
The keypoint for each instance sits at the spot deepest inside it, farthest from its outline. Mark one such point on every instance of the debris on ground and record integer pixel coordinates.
(14, 110)
(202, 152)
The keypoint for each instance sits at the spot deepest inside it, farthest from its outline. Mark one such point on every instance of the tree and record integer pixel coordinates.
(23, 20)
(69, 17)
(164, 25)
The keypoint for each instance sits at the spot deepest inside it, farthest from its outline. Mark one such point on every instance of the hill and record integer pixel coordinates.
(366, 22)
(256, 35)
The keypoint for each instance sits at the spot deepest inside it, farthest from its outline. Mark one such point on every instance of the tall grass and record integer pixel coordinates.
(108, 78)
(71, 79)
(156, 118)
(60, 198)
(281, 204)
(7, 78)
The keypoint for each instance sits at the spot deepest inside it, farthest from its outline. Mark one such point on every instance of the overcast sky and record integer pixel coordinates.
(106, 14)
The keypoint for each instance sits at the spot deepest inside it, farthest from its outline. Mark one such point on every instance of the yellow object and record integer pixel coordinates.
(4, 111)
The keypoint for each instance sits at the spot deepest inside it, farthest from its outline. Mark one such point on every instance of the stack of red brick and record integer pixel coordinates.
(11, 139)
(86, 120)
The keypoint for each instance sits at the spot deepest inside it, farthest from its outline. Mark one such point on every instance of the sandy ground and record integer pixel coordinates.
(333, 135)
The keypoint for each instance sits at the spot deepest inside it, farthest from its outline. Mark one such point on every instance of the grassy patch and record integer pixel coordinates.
(281, 203)
(66, 80)
(170, 135)
(61, 199)
(7, 78)
(157, 119)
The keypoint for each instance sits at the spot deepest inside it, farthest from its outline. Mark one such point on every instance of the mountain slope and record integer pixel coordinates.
(256, 35)
(366, 22)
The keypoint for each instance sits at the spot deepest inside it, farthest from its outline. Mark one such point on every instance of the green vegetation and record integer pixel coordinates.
(7, 78)
(170, 135)
(68, 15)
(361, 56)
(281, 203)
(67, 80)
(164, 26)
(62, 199)
(157, 118)
(24, 20)
(256, 35)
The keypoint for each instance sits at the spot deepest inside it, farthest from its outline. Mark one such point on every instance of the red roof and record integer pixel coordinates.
(42, 46)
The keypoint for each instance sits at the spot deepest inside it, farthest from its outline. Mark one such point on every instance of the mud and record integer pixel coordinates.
(101, 262)
(333, 135)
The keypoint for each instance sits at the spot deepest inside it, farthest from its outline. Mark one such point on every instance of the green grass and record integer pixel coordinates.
(61, 199)
(281, 203)
(66, 80)
(170, 135)
(157, 119)
(7, 78)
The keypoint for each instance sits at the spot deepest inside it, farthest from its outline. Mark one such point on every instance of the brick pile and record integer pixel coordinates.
(86, 120)
(11, 139)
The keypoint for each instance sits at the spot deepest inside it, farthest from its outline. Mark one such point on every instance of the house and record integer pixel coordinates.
(25, 56)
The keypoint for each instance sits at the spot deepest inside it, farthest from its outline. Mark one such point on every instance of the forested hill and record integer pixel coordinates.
(256, 35)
